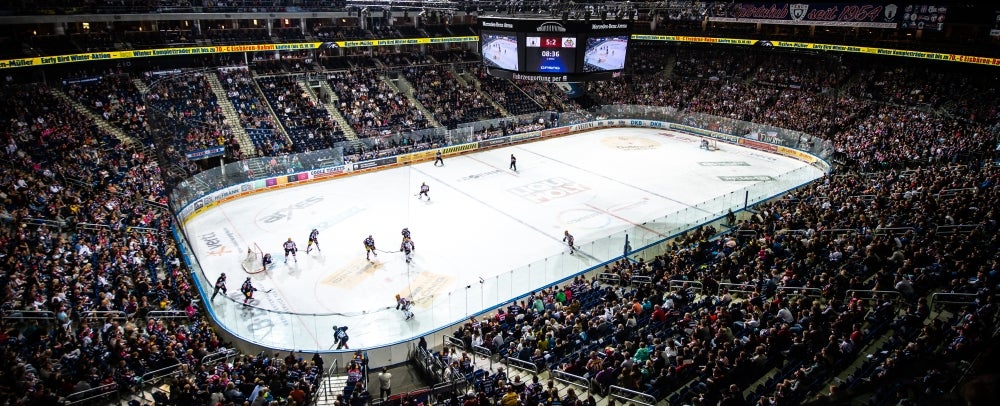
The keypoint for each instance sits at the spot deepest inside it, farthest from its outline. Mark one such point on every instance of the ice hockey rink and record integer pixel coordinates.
(608, 54)
(487, 235)
(500, 50)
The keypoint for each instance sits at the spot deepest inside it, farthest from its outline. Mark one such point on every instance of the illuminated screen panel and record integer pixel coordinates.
(550, 53)
(605, 53)
(499, 50)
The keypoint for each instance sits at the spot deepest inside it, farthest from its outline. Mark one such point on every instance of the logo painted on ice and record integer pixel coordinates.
(214, 244)
(549, 189)
(286, 213)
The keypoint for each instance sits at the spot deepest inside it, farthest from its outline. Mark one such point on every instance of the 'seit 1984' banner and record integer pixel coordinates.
(870, 15)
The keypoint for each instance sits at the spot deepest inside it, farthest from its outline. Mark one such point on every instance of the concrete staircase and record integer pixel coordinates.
(330, 108)
(329, 389)
(406, 88)
(232, 117)
(97, 119)
(671, 62)
(139, 84)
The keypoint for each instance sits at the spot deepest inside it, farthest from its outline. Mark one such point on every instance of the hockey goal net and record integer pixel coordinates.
(252, 261)
(709, 144)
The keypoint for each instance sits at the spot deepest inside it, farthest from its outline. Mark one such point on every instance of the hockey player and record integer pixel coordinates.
(437, 158)
(340, 337)
(265, 261)
(370, 248)
(568, 238)
(407, 247)
(247, 290)
(313, 239)
(290, 248)
(423, 192)
(513, 163)
(404, 304)
(220, 284)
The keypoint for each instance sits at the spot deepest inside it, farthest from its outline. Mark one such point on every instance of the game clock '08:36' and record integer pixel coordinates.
(550, 54)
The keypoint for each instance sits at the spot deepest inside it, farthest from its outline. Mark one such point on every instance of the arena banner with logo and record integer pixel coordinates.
(205, 153)
(862, 15)
(923, 17)
(220, 49)
(937, 56)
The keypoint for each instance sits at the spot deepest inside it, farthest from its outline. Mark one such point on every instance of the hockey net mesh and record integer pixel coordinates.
(710, 144)
(252, 262)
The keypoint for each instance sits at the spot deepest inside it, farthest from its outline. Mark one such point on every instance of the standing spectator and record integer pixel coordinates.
(384, 383)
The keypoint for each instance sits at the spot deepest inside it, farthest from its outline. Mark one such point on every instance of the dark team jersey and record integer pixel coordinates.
(314, 235)
(424, 188)
(369, 243)
(247, 287)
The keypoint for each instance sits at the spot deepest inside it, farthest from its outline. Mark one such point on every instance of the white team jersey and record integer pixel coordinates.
(289, 245)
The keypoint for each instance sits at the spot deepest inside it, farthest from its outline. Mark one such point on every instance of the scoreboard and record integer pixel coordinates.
(553, 50)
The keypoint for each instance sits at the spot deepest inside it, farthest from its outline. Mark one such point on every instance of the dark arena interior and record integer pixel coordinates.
(873, 285)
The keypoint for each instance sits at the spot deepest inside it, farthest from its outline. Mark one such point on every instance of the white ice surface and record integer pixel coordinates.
(482, 222)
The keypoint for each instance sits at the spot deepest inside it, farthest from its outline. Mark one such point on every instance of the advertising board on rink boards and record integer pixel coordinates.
(794, 153)
(226, 194)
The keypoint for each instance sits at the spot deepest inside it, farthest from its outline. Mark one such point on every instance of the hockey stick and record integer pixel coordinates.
(387, 252)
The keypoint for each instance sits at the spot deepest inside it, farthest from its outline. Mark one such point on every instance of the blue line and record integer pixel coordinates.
(496, 209)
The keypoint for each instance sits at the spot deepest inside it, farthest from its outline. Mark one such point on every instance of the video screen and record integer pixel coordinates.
(550, 54)
(605, 53)
(499, 50)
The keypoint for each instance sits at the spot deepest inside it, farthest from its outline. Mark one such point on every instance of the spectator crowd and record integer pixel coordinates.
(772, 309)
